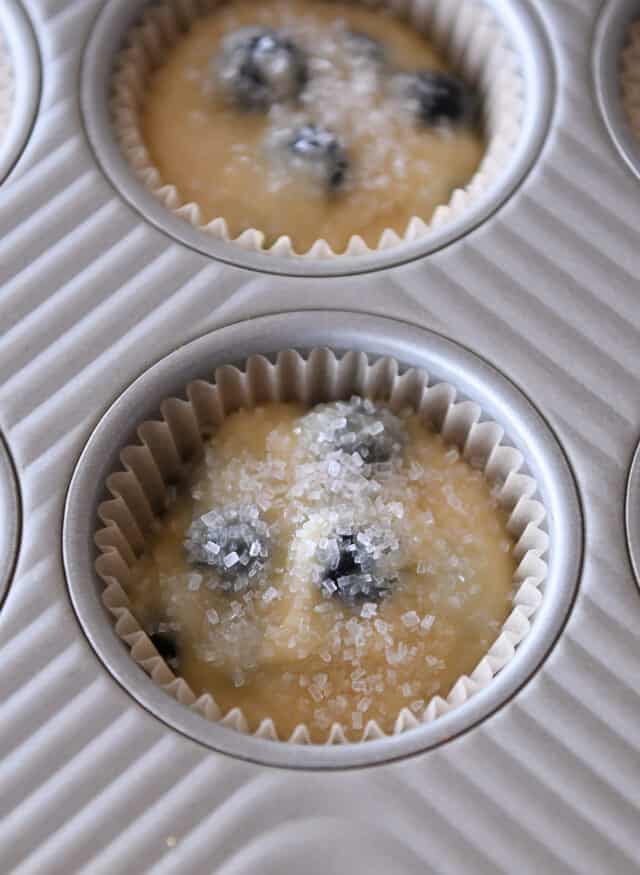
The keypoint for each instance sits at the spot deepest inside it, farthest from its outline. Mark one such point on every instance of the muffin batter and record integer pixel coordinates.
(418, 588)
(229, 158)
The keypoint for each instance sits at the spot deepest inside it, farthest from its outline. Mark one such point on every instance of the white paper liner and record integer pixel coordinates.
(6, 87)
(464, 30)
(630, 78)
(169, 446)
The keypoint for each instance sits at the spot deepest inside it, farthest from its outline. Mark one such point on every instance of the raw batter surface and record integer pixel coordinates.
(290, 640)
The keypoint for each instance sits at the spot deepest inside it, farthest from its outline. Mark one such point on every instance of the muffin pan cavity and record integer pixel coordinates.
(501, 46)
(19, 83)
(493, 398)
(612, 37)
(10, 517)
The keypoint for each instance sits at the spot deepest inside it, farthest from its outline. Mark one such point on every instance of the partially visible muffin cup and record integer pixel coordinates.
(19, 83)
(630, 78)
(6, 87)
(10, 514)
(168, 447)
(616, 70)
(466, 31)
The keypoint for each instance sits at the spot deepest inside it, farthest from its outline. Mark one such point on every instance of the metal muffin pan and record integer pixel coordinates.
(520, 21)
(25, 62)
(611, 37)
(445, 362)
(92, 295)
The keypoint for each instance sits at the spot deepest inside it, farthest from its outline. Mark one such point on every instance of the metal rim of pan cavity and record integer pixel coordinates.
(632, 514)
(10, 515)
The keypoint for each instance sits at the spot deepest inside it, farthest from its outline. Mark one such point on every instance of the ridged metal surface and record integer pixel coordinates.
(547, 291)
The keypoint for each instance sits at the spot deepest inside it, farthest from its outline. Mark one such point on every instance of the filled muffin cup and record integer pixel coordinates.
(466, 32)
(168, 449)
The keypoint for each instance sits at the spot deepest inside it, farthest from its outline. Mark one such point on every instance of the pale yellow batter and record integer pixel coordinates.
(215, 154)
(284, 650)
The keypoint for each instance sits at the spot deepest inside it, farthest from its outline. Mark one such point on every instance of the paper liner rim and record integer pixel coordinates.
(460, 422)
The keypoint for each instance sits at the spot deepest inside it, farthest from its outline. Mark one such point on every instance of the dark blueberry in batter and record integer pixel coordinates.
(234, 542)
(361, 45)
(166, 646)
(318, 153)
(353, 573)
(357, 426)
(259, 67)
(435, 98)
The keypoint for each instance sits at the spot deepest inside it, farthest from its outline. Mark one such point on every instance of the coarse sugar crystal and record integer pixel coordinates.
(410, 619)
(427, 622)
(194, 581)
(270, 595)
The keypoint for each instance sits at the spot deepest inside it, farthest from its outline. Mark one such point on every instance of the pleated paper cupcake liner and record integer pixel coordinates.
(168, 448)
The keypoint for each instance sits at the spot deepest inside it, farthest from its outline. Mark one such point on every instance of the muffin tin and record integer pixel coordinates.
(92, 294)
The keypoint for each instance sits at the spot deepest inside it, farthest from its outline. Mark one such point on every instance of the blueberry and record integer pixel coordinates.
(259, 67)
(357, 426)
(318, 153)
(354, 567)
(166, 646)
(234, 542)
(362, 46)
(435, 98)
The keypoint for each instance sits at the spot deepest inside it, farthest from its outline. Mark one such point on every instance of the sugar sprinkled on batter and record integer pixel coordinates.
(383, 581)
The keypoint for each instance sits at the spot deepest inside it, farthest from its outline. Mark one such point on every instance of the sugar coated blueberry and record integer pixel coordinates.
(356, 426)
(320, 155)
(435, 98)
(356, 567)
(234, 542)
(362, 46)
(258, 67)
